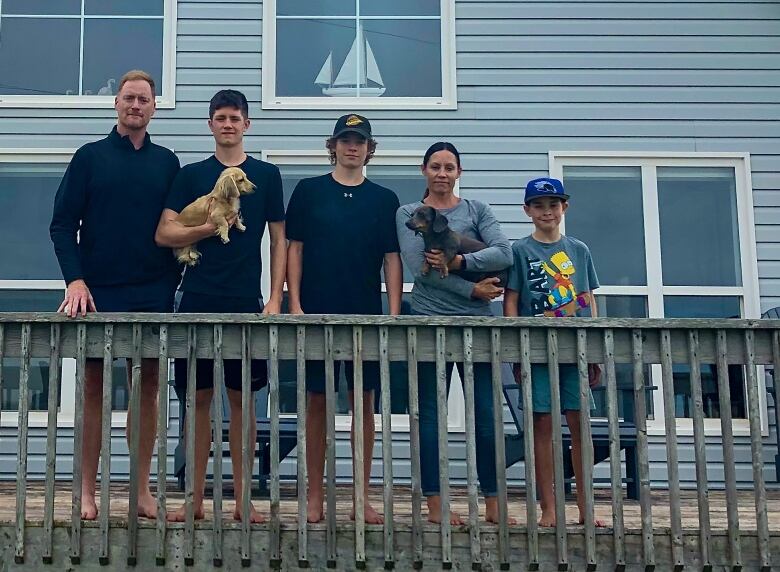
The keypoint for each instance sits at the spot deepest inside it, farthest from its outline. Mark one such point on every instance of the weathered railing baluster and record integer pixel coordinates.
(189, 442)
(700, 451)
(471, 449)
(557, 436)
(162, 441)
(273, 402)
(756, 450)
(55, 372)
(530, 454)
(105, 445)
(441, 435)
(498, 429)
(729, 462)
(640, 414)
(330, 448)
(78, 442)
(219, 384)
(358, 452)
(586, 449)
(246, 458)
(414, 446)
(300, 393)
(134, 419)
(670, 421)
(387, 447)
(616, 480)
(21, 457)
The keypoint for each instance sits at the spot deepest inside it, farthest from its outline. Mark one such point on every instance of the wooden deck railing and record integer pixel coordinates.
(413, 340)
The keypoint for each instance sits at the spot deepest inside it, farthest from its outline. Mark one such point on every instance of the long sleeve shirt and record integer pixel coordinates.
(106, 212)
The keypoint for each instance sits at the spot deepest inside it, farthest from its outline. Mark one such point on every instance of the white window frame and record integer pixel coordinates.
(456, 407)
(654, 291)
(66, 414)
(168, 101)
(448, 99)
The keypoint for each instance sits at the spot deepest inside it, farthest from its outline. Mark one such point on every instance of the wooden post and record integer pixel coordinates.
(55, 371)
(189, 442)
(219, 384)
(729, 463)
(586, 444)
(246, 463)
(471, 449)
(21, 456)
(640, 413)
(672, 465)
(561, 540)
(442, 435)
(358, 453)
(387, 446)
(700, 450)
(105, 445)
(134, 420)
(530, 453)
(162, 442)
(414, 445)
(300, 392)
(78, 442)
(273, 399)
(330, 448)
(756, 446)
(498, 430)
(616, 480)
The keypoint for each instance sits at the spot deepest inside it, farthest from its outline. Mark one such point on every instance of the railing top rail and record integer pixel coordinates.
(365, 320)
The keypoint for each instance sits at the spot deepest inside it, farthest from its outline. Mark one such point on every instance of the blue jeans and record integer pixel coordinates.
(483, 418)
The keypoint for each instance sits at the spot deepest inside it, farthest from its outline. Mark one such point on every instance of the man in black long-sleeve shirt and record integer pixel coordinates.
(111, 198)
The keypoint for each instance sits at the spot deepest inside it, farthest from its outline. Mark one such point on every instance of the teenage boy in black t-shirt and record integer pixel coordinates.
(227, 277)
(341, 232)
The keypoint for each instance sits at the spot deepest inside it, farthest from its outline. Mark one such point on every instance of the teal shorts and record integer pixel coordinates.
(569, 384)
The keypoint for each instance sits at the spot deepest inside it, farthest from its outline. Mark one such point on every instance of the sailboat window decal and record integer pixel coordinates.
(354, 77)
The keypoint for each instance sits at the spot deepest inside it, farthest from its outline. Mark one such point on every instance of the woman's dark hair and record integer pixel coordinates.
(435, 148)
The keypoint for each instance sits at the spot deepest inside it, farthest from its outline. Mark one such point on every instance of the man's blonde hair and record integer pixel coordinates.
(134, 75)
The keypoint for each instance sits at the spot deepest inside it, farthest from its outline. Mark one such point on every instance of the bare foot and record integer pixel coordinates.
(547, 520)
(254, 516)
(314, 510)
(598, 522)
(491, 515)
(147, 505)
(434, 513)
(181, 514)
(88, 507)
(370, 514)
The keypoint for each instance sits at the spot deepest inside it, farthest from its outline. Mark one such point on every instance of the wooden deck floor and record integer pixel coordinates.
(402, 506)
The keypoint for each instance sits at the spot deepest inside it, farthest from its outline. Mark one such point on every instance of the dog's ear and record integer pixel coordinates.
(232, 180)
(440, 222)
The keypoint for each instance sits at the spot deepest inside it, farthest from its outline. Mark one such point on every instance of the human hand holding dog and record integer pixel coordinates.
(78, 299)
(488, 289)
(436, 259)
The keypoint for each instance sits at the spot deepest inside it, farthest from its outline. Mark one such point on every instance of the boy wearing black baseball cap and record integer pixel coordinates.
(552, 275)
(341, 232)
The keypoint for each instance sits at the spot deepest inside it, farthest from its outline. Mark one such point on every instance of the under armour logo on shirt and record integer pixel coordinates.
(347, 195)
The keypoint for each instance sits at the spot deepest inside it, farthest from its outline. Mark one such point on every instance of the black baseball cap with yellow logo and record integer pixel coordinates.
(352, 123)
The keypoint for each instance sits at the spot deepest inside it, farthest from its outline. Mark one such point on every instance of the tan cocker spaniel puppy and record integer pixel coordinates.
(219, 205)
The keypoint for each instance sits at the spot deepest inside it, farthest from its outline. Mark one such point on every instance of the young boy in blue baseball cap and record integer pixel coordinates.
(552, 275)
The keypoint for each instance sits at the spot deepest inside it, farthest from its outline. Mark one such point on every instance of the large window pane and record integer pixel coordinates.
(27, 194)
(43, 7)
(623, 307)
(124, 7)
(706, 307)
(316, 8)
(135, 44)
(39, 56)
(609, 198)
(400, 8)
(699, 227)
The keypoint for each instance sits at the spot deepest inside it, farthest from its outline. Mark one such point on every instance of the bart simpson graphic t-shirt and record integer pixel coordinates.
(553, 279)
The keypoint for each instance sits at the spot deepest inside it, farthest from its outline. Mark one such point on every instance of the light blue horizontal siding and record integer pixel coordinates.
(533, 76)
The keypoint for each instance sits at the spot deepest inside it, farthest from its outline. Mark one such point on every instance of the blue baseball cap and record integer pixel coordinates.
(544, 187)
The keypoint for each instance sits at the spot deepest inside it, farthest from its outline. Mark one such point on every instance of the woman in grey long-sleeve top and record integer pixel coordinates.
(454, 296)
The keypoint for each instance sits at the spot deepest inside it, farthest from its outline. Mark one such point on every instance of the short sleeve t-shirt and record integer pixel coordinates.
(553, 279)
(346, 232)
(231, 269)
